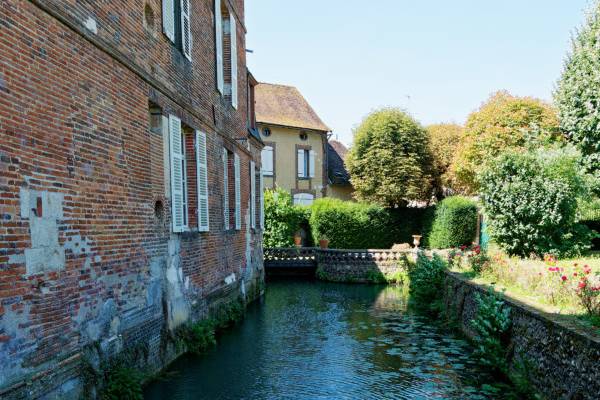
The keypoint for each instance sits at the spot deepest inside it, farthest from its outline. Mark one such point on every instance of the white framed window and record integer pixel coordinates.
(226, 189)
(234, 61)
(252, 194)
(238, 194)
(306, 163)
(178, 175)
(303, 199)
(202, 182)
(219, 46)
(267, 158)
(182, 15)
(261, 189)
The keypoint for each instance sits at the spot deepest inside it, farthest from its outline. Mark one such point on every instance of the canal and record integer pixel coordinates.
(310, 340)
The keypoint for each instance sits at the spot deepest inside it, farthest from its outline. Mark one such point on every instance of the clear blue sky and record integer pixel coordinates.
(349, 57)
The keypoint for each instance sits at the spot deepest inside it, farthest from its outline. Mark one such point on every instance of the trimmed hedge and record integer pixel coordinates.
(350, 225)
(454, 224)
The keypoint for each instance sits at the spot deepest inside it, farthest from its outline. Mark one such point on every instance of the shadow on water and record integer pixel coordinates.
(313, 340)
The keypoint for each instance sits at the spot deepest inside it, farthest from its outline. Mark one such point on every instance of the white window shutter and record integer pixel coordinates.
(261, 189)
(202, 177)
(238, 200)
(234, 64)
(219, 46)
(186, 28)
(177, 174)
(301, 163)
(252, 194)
(311, 164)
(267, 160)
(168, 17)
(225, 189)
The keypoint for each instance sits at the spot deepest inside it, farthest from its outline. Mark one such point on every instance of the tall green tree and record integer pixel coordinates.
(577, 95)
(390, 161)
(445, 139)
(502, 123)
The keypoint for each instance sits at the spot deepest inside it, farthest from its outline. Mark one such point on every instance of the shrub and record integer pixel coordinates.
(390, 162)
(122, 383)
(531, 202)
(350, 225)
(454, 224)
(282, 219)
(426, 283)
(200, 336)
(491, 324)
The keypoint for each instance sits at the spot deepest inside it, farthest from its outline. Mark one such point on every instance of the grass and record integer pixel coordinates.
(546, 285)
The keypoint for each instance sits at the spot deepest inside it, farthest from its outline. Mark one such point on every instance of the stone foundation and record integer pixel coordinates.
(563, 362)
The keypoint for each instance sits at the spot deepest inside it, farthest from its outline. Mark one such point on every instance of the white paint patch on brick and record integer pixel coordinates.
(91, 25)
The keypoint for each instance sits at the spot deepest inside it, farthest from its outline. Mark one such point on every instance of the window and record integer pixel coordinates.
(267, 158)
(303, 136)
(266, 132)
(226, 189)
(306, 163)
(303, 199)
(189, 178)
(238, 194)
(178, 178)
(227, 53)
(261, 209)
(252, 195)
(219, 45)
(202, 179)
(177, 24)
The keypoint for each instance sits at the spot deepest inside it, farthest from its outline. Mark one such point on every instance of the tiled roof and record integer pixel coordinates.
(285, 106)
(336, 169)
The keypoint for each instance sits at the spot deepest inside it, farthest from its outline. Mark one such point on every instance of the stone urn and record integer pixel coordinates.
(417, 240)
(324, 243)
(298, 240)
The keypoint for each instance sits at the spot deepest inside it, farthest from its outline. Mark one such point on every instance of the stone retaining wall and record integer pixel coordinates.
(361, 265)
(563, 362)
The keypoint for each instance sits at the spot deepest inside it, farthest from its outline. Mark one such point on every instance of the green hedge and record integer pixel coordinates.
(454, 223)
(350, 225)
(282, 219)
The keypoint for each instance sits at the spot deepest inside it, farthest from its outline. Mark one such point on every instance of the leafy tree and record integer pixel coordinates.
(503, 122)
(577, 95)
(390, 162)
(445, 140)
(531, 202)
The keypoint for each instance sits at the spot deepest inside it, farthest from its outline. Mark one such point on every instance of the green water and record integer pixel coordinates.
(309, 340)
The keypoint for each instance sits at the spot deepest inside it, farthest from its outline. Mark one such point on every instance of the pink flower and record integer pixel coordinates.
(564, 278)
(582, 285)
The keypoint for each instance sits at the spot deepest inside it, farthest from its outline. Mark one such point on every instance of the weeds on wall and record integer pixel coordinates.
(427, 284)
(492, 324)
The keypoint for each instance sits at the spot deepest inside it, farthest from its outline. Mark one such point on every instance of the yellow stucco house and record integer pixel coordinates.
(295, 154)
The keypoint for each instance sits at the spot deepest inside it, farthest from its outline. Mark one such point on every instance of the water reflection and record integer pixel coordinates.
(326, 341)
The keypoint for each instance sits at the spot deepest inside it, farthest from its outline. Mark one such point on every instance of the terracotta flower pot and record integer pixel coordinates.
(324, 243)
(298, 240)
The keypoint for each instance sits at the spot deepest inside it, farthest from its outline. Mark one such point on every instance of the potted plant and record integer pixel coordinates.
(298, 239)
(324, 242)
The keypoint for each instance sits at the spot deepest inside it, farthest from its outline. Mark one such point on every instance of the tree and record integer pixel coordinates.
(577, 95)
(530, 199)
(390, 161)
(445, 140)
(503, 122)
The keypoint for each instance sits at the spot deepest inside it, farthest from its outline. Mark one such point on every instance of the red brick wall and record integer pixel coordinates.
(74, 121)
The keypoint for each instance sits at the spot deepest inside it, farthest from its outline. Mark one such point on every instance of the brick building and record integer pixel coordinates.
(129, 181)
